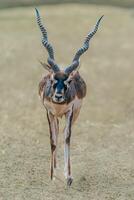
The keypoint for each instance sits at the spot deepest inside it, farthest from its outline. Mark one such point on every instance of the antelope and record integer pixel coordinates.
(61, 92)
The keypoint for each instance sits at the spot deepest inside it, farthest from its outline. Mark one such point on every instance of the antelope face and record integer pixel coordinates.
(60, 86)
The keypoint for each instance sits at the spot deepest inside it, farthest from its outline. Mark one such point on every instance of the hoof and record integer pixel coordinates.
(69, 181)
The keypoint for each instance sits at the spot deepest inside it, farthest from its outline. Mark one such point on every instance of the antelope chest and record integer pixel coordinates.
(60, 109)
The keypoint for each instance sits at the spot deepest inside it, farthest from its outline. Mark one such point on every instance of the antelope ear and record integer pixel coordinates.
(45, 66)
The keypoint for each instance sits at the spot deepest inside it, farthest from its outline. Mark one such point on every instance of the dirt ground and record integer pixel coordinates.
(102, 143)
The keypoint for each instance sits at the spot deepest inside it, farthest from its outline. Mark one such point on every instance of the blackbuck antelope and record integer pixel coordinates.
(62, 92)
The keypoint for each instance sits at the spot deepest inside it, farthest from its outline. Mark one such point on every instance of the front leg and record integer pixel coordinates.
(53, 127)
(57, 132)
(67, 136)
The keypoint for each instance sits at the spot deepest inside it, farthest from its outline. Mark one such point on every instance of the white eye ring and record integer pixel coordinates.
(55, 81)
(67, 82)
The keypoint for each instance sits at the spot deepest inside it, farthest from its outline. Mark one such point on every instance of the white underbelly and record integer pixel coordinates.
(60, 109)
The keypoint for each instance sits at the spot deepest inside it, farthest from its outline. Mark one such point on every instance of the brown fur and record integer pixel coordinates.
(77, 87)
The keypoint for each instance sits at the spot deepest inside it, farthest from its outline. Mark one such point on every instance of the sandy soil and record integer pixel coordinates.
(102, 144)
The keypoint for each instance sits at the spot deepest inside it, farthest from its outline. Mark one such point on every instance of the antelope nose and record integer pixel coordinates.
(58, 96)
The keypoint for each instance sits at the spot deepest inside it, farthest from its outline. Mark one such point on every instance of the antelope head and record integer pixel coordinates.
(60, 80)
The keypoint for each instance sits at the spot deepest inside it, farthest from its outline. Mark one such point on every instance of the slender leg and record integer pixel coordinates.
(67, 136)
(53, 126)
(57, 132)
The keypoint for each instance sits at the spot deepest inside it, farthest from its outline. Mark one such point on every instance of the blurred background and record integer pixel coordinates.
(102, 143)
(14, 3)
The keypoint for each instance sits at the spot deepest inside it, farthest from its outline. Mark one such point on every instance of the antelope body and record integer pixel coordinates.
(62, 92)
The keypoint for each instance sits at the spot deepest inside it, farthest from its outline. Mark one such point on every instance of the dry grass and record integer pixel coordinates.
(102, 139)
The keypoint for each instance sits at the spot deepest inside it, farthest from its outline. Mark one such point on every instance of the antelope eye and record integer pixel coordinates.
(55, 81)
(51, 81)
(67, 82)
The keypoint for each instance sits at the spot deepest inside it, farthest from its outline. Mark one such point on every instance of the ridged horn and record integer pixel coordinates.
(75, 62)
(46, 43)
